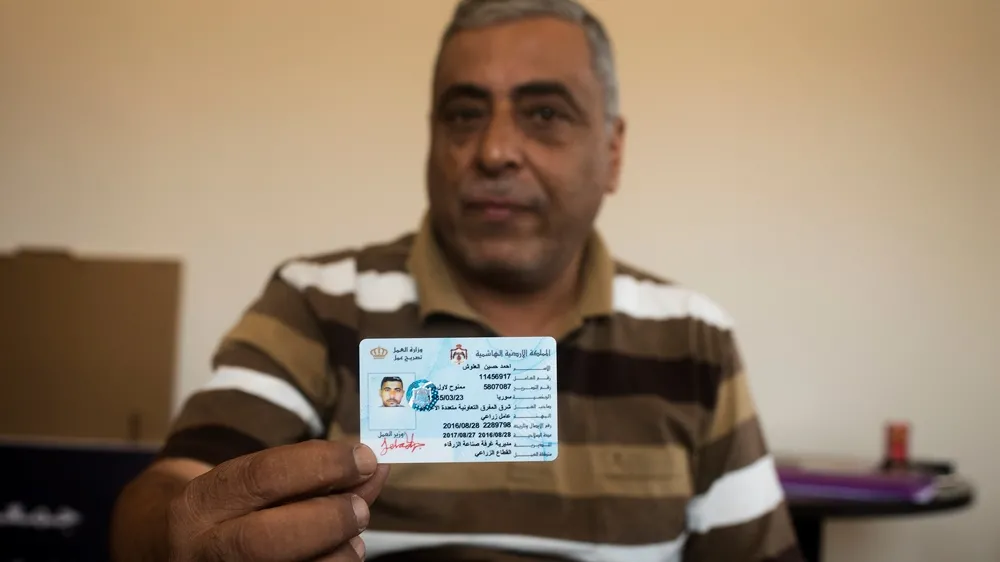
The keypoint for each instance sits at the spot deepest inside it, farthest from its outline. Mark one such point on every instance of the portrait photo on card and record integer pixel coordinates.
(388, 407)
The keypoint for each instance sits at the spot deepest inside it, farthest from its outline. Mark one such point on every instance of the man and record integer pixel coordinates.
(661, 453)
(391, 392)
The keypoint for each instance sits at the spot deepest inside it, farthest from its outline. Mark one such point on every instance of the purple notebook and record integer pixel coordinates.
(851, 480)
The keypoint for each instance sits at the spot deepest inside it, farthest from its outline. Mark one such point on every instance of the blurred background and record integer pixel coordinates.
(828, 171)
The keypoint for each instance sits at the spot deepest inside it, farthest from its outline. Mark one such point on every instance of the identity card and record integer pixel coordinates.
(442, 400)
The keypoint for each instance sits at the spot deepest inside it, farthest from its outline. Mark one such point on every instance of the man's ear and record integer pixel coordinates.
(616, 143)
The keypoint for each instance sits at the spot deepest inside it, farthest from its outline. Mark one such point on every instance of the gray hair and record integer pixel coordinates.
(472, 14)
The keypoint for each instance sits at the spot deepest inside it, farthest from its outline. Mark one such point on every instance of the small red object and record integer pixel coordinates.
(897, 442)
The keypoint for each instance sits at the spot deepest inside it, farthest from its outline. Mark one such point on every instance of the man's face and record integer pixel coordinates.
(522, 152)
(391, 393)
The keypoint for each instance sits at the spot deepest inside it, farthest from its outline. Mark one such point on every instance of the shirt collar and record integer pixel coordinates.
(438, 293)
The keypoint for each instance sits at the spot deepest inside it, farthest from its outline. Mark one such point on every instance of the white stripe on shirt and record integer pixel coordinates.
(269, 388)
(379, 543)
(737, 497)
(389, 291)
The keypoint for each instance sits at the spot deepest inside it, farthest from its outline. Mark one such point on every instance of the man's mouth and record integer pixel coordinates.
(493, 212)
(494, 209)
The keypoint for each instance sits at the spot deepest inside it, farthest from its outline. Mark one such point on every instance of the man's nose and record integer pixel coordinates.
(500, 147)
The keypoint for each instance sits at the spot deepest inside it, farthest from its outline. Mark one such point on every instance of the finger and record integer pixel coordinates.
(371, 488)
(259, 480)
(353, 551)
(295, 531)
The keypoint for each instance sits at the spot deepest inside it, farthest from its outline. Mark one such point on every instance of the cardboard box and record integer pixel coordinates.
(88, 348)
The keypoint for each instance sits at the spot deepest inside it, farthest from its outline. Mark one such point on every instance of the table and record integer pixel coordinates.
(809, 514)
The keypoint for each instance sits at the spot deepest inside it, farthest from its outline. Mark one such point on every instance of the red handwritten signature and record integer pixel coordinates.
(397, 444)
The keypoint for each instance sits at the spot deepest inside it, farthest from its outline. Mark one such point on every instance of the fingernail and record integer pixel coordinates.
(361, 512)
(365, 460)
(359, 546)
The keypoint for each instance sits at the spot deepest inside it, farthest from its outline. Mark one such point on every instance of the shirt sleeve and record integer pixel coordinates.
(271, 383)
(738, 513)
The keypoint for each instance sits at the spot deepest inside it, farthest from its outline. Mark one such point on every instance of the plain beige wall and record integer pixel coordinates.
(827, 170)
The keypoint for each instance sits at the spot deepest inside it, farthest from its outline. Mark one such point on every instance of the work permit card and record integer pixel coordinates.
(443, 400)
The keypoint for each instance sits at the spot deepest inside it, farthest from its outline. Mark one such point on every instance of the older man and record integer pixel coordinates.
(661, 453)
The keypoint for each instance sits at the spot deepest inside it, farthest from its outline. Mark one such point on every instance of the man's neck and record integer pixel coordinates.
(537, 313)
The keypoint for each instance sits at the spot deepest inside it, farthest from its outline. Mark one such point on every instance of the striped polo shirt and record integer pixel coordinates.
(661, 454)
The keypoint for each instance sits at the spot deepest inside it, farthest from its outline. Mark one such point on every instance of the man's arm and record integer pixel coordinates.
(739, 512)
(270, 387)
(138, 526)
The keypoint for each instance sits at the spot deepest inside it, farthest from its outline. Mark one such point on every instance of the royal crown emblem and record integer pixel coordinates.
(459, 354)
(380, 352)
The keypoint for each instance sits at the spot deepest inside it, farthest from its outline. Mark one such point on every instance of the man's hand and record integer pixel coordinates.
(307, 501)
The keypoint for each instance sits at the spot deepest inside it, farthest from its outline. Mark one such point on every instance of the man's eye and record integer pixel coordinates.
(462, 115)
(544, 114)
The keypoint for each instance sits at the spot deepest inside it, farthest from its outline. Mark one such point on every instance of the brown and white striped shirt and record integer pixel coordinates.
(661, 455)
